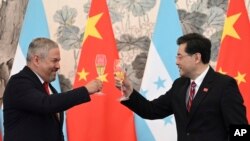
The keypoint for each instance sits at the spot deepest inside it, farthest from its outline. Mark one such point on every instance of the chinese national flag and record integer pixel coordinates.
(234, 57)
(103, 118)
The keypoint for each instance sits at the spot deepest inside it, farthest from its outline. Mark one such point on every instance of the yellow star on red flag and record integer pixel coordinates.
(83, 75)
(240, 78)
(91, 29)
(103, 78)
(229, 29)
(221, 71)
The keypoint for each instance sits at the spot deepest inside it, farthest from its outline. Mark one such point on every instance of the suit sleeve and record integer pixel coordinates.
(233, 109)
(24, 95)
(155, 109)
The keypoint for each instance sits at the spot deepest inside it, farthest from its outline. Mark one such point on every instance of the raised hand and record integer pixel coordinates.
(125, 86)
(94, 86)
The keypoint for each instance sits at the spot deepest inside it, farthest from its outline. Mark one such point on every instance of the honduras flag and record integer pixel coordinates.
(160, 71)
(34, 25)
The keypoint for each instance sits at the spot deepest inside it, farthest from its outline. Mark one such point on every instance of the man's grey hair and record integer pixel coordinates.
(40, 47)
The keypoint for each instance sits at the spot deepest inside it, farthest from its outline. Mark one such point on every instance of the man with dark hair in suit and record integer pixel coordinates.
(204, 102)
(32, 109)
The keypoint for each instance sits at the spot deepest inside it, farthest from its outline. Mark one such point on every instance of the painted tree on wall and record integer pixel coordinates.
(9, 36)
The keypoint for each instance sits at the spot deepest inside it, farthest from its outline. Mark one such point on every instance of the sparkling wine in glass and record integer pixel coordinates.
(119, 71)
(100, 63)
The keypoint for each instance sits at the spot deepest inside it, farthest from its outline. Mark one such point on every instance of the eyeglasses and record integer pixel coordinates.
(182, 56)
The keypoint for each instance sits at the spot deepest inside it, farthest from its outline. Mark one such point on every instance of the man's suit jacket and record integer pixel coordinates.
(29, 112)
(217, 104)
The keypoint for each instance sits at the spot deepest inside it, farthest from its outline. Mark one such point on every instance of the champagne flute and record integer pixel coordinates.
(119, 71)
(100, 63)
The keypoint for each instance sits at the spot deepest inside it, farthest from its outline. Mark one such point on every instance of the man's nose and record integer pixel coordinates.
(177, 62)
(58, 65)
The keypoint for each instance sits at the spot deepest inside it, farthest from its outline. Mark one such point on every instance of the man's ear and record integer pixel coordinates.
(35, 60)
(198, 57)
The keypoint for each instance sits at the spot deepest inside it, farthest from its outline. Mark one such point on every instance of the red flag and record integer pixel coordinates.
(234, 53)
(103, 118)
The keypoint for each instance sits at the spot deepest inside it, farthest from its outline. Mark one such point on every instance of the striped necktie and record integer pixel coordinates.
(191, 95)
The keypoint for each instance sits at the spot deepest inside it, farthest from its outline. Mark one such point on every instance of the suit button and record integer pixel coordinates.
(188, 134)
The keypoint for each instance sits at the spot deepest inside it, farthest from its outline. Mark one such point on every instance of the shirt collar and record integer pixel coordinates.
(200, 78)
(41, 80)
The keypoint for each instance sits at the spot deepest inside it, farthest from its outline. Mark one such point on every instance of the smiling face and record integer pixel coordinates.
(185, 62)
(49, 65)
(193, 55)
(43, 58)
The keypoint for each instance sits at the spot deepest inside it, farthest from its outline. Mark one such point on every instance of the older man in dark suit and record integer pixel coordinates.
(205, 103)
(32, 110)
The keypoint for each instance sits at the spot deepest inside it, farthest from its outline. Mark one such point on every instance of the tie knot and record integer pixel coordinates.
(46, 84)
(193, 84)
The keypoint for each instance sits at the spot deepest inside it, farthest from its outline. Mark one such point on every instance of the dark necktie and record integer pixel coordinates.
(191, 95)
(46, 87)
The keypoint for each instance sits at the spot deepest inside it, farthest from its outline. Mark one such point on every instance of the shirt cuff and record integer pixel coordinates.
(124, 98)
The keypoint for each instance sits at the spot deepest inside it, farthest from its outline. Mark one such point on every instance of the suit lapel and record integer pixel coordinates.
(202, 92)
(30, 74)
(183, 93)
(61, 114)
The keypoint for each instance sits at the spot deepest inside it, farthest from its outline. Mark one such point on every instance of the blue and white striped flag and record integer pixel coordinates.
(160, 71)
